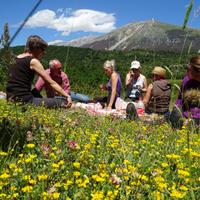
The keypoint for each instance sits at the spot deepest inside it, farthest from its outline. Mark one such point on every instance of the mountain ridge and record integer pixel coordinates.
(146, 35)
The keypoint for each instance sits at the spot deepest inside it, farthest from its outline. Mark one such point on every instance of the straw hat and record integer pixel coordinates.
(159, 71)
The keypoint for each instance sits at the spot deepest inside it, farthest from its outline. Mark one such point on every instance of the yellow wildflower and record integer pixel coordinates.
(76, 165)
(2, 153)
(4, 176)
(32, 181)
(76, 174)
(173, 156)
(98, 195)
(61, 162)
(26, 177)
(55, 165)
(177, 194)
(67, 184)
(98, 178)
(164, 164)
(15, 195)
(30, 146)
(12, 165)
(183, 173)
(184, 188)
(27, 189)
(55, 195)
(3, 196)
(42, 177)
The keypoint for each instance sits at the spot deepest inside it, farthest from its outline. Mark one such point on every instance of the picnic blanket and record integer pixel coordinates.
(97, 109)
(120, 111)
(2, 95)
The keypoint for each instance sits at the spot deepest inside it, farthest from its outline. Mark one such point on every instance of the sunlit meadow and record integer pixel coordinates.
(68, 154)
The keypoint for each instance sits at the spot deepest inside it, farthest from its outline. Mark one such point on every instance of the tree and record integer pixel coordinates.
(5, 60)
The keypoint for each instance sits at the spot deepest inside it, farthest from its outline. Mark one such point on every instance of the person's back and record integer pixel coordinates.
(20, 79)
(161, 92)
(157, 98)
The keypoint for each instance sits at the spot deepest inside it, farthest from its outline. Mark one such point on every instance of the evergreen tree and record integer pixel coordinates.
(5, 60)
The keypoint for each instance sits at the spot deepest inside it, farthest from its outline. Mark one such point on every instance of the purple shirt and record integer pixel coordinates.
(119, 85)
(193, 111)
(62, 80)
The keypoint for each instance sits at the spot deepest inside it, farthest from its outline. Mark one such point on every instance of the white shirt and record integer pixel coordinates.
(139, 82)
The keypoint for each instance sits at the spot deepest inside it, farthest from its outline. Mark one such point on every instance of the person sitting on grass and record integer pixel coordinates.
(113, 86)
(188, 103)
(60, 77)
(157, 97)
(21, 75)
(136, 83)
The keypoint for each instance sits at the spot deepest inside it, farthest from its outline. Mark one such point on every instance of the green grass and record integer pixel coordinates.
(68, 154)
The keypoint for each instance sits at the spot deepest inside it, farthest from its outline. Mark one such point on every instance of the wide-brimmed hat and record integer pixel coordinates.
(159, 71)
(135, 65)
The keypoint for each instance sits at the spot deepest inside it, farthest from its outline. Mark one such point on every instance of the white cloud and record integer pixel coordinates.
(197, 12)
(79, 20)
(55, 42)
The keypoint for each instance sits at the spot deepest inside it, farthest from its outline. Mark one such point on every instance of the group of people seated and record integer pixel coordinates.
(154, 97)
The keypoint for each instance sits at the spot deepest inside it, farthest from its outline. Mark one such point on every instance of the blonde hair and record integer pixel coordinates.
(109, 64)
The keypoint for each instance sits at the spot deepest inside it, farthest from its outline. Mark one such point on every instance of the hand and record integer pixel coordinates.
(102, 87)
(139, 87)
(131, 73)
(109, 108)
(69, 102)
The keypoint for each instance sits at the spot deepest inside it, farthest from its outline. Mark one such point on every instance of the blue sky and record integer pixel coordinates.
(66, 20)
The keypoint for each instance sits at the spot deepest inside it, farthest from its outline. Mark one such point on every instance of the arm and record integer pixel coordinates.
(65, 83)
(144, 89)
(114, 79)
(38, 68)
(129, 79)
(148, 95)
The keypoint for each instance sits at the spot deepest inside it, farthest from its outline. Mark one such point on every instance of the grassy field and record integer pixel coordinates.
(68, 154)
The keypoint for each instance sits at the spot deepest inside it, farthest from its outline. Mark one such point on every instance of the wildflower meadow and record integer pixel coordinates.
(69, 154)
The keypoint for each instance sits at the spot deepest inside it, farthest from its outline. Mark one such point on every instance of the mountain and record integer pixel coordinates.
(74, 43)
(148, 35)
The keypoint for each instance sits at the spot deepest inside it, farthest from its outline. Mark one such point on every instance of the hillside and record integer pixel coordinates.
(84, 65)
(148, 35)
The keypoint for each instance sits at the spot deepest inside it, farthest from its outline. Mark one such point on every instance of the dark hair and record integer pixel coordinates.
(35, 42)
(195, 62)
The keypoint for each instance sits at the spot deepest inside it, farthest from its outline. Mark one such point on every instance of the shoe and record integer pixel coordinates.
(131, 112)
(176, 118)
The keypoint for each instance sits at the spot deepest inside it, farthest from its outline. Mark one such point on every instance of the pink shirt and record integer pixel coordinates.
(62, 80)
